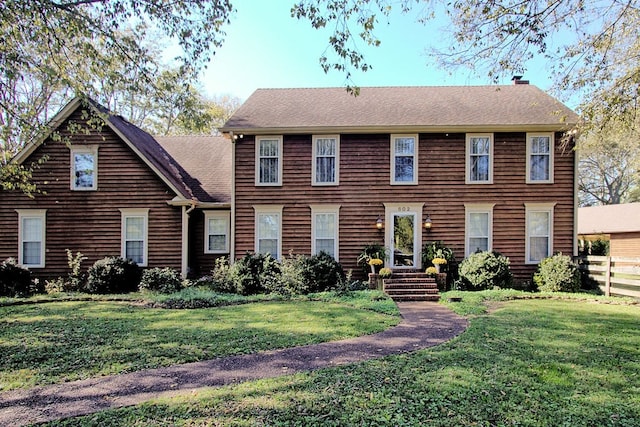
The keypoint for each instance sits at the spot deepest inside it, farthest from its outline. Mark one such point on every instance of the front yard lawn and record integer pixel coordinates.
(526, 363)
(52, 342)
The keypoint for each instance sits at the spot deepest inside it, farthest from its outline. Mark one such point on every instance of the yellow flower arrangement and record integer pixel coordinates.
(375, 261)
(439, 261)
(385, 272)
(431, 271)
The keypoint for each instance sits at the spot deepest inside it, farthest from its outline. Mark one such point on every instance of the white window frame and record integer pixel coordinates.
(414, 181)
(135, 213)
(268, 210)
(325, 210)
(531, 208)
(468, 158)
(551, 137)
(40, 214)
(478, 208)
(209, 215)
(336, 156)
(84, 149)
(258, 157)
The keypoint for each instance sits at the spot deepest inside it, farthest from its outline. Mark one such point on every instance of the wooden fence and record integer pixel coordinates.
(615, 275)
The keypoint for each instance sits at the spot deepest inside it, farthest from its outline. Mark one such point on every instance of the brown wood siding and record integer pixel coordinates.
(90, 221)
(200, 263)
(626, 245)
(365, 187)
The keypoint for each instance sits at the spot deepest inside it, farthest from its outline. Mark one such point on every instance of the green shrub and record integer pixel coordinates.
(557, 274)
(220, 279)
(321, 273)
(15, 281)
(255, 274)
(599, 247)
(162, 280)
(485, 270)
(370, 251)
(113, 275)
(76, 279)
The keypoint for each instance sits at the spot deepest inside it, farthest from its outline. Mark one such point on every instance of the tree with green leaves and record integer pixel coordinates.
(52, 50)
(591, 47)
(609, 166)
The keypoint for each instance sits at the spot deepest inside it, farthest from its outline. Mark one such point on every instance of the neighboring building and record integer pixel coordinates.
(619, 224)
(489, 166)
(115, 191)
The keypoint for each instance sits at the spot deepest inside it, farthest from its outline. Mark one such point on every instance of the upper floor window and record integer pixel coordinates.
(404, 155)
(216, 232)
(539, 231)
(268, 228)
(134, 235)
(84, 168)
(479, 165)
(324, 229)
(540, 158)
(479, 227)
(326, 160)
(31, 237)
(269, 160)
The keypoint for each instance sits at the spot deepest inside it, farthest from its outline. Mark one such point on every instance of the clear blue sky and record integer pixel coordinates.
(265, 47)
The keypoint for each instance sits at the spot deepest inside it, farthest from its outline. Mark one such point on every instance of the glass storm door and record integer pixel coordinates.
(403, 250)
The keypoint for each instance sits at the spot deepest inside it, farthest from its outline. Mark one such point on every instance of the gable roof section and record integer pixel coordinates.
(207, 161)
(424, 108)
(140, 142)
(609, 219)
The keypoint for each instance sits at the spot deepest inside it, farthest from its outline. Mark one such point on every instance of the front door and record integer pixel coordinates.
(404, 235)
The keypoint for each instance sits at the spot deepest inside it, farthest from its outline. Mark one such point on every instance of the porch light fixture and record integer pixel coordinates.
(379, 223)
(428, 223)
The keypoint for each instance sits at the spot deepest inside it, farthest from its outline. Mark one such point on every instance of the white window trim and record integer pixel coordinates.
(257, 160)
(538, 207)
(268, 209)
(551, 150)
(82, 149)
(470, 208)
(393, 159)
(325, 209)
(336, 178)
(32, 213)
(468, 157)
(212, 215)
(130, 213)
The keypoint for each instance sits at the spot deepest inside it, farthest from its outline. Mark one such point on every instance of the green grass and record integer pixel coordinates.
(542, 362)
(52, 342)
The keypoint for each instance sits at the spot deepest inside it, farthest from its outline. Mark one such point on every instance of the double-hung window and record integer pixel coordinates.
(324, 229)
(404, 159)
(539, 231)
(216, 232)
(479, 164)
(268, 230)
(479, 227)
(84, 168)
(540, 158)
(134, 235)
(326, 159)
(31, 237)
(269, 160)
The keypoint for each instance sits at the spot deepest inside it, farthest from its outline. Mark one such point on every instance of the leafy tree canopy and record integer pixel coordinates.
(592, 47)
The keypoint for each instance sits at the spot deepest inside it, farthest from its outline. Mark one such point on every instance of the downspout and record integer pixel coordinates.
(184, 264)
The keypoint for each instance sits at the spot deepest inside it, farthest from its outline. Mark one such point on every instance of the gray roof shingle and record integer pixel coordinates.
(427, 108)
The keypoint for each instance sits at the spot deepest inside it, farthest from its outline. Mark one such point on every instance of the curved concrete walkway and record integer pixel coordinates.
(425, 324)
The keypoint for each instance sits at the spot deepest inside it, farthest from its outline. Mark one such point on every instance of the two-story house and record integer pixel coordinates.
(480, 168)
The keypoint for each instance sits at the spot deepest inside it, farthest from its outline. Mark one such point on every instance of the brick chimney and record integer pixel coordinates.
(517, 80)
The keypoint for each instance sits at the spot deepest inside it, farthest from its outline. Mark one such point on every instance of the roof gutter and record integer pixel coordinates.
(197, 204)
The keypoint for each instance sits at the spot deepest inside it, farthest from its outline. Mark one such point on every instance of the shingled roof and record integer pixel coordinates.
(622, 218)
(425, 108)
(207, 161)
